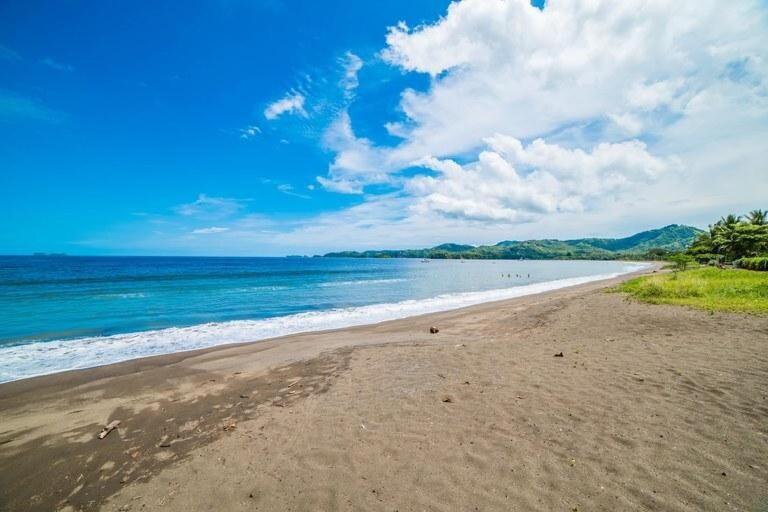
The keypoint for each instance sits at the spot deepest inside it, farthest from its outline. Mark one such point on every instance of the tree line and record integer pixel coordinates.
(736, 239)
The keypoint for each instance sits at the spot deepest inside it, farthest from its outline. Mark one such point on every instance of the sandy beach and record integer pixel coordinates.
(573, 400)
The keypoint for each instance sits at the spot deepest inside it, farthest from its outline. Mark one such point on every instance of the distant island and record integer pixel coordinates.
(653, 244)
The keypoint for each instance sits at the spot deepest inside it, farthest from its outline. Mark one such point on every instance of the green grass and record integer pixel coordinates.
(711, 289)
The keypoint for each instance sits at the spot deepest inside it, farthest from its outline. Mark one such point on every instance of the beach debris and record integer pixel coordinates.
(243, 396)
(447, 400)
(109, 428)
(229, 427)
(559, 354)
(441, 375)
(434, 330)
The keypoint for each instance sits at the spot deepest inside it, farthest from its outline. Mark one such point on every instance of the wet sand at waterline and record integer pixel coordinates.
(649, 408)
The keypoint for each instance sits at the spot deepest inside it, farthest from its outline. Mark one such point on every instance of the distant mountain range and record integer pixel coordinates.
(653, 244)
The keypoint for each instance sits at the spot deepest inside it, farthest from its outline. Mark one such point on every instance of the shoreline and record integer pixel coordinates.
(503, 294)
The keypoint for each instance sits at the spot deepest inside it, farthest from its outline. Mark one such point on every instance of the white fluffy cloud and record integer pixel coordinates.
(351, 64)
(612, 94)
(291, 103)
(503, 66)
(358, 161)
(512, 182)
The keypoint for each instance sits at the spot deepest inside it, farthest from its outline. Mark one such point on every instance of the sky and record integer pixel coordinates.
(273, 127)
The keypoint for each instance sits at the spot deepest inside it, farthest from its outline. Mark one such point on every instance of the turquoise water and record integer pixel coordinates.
(59, 313)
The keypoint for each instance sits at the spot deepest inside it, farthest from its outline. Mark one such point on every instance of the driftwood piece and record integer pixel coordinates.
(109, 428)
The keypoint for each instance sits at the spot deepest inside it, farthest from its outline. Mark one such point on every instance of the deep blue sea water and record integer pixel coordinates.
(59, 313)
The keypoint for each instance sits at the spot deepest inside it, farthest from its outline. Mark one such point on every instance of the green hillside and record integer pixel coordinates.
(453, 247)
(673, 238)
(653, 244)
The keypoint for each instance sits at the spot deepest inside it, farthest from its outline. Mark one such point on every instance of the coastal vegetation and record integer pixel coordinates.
(655, 244)
(756, 263)
(742, 241)
(734, 247)
(709, 288)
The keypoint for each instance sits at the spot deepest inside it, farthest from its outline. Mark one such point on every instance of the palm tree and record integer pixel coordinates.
(724, 236)
(731, 238)
(702, 244)
(757, 217)
(729, 220)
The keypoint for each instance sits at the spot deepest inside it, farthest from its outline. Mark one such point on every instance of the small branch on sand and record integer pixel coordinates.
(109, 428)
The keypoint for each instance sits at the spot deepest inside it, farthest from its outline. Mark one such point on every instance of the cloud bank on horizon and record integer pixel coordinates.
(574, 119)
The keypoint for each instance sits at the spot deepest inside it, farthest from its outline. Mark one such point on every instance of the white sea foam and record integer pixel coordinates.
(28, 360)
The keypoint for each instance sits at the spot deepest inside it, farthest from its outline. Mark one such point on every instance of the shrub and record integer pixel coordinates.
(681, 260)
(756, 263)
(707, 258)
(651, 291)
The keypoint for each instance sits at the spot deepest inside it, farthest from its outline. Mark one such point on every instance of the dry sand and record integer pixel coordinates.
(649, 408)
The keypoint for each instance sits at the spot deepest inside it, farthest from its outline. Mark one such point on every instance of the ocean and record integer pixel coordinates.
(62, 313)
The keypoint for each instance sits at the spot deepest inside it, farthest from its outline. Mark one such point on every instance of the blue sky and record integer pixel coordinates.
(112, 110)
(275, 127)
